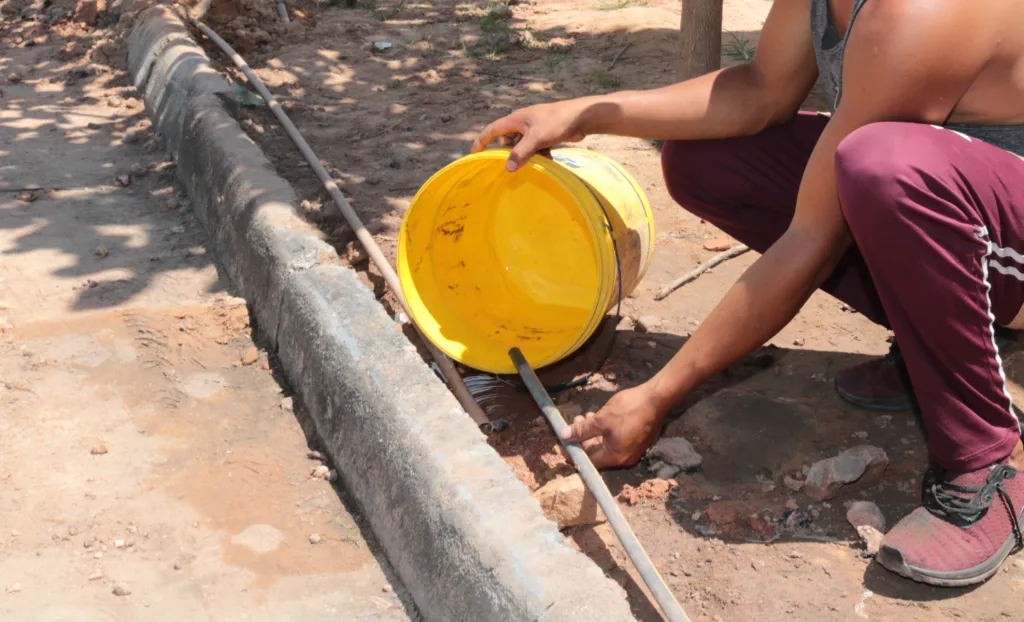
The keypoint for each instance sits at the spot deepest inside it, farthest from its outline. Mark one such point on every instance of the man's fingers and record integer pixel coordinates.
(602, 457)
(521, 153)
(506, 126)
(584, 428)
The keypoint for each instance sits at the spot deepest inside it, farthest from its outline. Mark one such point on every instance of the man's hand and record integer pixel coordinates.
(620, 433)
(531, 130)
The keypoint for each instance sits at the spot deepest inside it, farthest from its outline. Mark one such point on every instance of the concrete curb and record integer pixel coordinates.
(463, 534)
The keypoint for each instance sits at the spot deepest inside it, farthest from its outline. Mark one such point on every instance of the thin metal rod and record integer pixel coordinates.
(592, 478)
(451, 375)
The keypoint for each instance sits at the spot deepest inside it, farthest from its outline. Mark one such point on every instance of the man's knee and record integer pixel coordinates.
(877, 164)
(692, 170)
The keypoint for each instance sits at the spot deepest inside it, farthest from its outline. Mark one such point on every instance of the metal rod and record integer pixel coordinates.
(592, 478)
(451, 375)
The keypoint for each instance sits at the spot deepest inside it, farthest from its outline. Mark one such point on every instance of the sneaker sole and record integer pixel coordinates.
(891, 405)
(892, 560)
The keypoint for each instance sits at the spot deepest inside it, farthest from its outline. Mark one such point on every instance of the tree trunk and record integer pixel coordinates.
(700, 47)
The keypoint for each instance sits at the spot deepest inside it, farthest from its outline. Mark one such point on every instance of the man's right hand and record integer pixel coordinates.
(533, 129)
(620, 433)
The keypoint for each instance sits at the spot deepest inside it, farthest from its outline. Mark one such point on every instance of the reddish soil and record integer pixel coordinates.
(726, 538)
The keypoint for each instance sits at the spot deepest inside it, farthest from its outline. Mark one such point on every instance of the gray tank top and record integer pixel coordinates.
(829, 49)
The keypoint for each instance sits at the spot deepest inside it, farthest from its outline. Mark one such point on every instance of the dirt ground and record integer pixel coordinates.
(384, 120)
(152, 465)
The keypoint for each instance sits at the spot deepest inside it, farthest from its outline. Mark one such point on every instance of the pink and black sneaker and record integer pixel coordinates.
(969, 525)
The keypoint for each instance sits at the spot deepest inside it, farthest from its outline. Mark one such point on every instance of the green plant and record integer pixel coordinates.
(385, 15)
(621, 4)
(738, 49)
(598, 81)
(557, 60)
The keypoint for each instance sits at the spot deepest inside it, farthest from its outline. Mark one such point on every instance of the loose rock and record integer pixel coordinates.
(650, 489)
(314, 538)
(719, 244)
(863, 513)
(647, 323)
(799, 341)
(250, 356)
(321, 472)
(871, 537)
(667, 471)
(123, 181)
(332, 476)
(315, 455)
(288, 404)
(793, 484)
(676, 451)
(853, 470)
(724, 513)
(14, 588)
(101, 252)
(121, 589)
(96, 576)
(568, 503)
(99, 449)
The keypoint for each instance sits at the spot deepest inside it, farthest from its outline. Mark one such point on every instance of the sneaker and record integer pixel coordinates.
(969, 525)
(879, 384)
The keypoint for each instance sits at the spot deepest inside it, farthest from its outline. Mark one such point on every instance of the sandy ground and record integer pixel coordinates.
(384, 120)
(152, 466)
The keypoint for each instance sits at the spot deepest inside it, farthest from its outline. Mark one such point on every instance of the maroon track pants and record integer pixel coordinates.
(938, 224)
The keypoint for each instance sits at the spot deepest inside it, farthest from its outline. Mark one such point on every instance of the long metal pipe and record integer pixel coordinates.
(451, 375)
(592, 478)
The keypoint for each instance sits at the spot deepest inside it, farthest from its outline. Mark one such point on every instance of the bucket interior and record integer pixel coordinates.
(491, 260)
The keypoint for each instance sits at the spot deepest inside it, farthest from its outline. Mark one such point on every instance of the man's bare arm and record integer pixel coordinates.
(736, 101)
(897, 68)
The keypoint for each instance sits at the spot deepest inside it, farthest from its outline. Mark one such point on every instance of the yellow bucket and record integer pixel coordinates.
(489, 260)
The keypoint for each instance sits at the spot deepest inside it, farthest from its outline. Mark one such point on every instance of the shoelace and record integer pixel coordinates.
(964, 506)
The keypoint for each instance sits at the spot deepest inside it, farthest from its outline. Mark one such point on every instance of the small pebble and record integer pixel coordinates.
(791, 504)
(315, 455)
(13, 588)
(118, 544)
(332, 476)
(799, 341)
(96, 576)
(314, 538)
(99, 449)
(792, 483)
(321, 472)
(250, 356)
(387, 589)
(695, 516)
(121, 589)
(15, 533)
